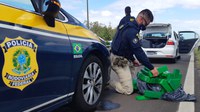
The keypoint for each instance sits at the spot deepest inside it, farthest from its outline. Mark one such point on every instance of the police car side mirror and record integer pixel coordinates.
(50, 9)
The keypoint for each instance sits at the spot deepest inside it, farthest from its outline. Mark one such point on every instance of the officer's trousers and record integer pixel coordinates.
(123, 68)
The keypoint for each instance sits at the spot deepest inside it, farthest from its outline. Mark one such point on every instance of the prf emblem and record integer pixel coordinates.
(20, 64)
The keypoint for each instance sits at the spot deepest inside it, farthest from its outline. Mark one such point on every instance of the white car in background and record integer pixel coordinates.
(160, 41)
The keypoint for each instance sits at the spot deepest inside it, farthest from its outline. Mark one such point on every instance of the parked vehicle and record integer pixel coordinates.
(160, 41)
(188, 41)
(48, 58)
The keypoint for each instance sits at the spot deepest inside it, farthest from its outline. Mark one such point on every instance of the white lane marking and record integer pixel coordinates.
(188, 87)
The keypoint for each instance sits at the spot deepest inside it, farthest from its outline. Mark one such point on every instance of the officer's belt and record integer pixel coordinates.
(116, 53)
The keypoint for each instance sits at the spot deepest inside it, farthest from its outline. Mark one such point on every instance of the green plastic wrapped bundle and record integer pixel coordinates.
(169, 82)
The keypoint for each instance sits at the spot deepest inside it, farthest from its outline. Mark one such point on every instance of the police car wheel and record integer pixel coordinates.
(90, 84)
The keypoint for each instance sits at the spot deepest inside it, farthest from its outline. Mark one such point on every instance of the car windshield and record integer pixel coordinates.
(155, 35)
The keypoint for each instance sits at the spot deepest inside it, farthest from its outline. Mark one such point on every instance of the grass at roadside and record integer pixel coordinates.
(197, 55)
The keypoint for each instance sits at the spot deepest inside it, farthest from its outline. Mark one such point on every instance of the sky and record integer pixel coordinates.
(181, 14)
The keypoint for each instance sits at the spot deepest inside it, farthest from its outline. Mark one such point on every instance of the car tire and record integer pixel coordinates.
(178, 55)
(90, 85)
(173, 60)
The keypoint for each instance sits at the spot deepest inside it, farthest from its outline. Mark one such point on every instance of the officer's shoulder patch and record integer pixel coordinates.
(135, 40)
(131, 19)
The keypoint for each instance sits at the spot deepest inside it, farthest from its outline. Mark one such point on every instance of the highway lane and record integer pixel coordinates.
(129, 104)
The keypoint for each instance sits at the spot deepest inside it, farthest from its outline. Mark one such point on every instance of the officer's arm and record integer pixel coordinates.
(122, 22)
(142, 58)
(130, 56)
(137, 50)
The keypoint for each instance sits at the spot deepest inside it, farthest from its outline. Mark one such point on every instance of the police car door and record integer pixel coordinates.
(188, 41)
(35, 59)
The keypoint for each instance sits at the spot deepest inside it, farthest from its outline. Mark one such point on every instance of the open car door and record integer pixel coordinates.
(188, 41)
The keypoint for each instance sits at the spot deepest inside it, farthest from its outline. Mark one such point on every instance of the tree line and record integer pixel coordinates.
(103, 31)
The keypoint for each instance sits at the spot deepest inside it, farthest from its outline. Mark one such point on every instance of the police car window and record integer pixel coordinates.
(60, 16)
(74, 19)
(36, 4)
(21, 4)
(71, 19)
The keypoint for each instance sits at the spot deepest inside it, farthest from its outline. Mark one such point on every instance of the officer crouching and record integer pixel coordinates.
(125, 45)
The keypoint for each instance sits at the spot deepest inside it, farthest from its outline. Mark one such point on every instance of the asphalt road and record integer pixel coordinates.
(129, 104)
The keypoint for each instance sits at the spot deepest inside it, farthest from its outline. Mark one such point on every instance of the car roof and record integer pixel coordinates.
(158, 27)
(159, 24)
(186, 32)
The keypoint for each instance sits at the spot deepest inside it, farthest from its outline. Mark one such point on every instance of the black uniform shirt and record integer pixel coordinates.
(126, 19)
(126, 44)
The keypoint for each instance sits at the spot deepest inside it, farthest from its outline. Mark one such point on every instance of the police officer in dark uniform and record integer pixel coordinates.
(126, 44)
(127, 17)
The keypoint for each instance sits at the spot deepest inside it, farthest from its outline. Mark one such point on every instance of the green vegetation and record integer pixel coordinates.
(103, 31)
(197, 55)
